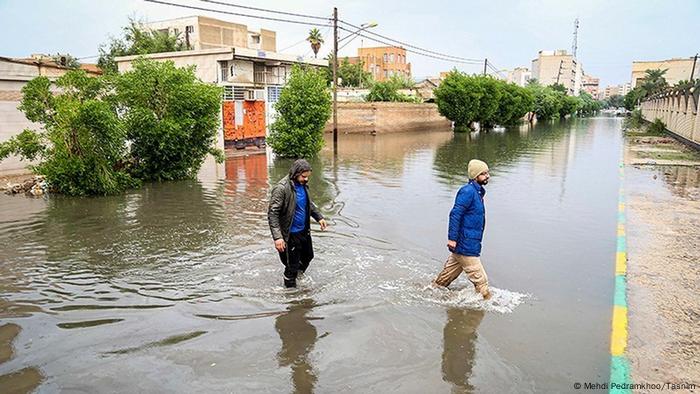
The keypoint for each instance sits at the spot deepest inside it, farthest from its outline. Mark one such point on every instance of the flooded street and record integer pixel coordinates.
(177, 287)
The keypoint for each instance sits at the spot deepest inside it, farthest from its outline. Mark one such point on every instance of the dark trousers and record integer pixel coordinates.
(297, 256)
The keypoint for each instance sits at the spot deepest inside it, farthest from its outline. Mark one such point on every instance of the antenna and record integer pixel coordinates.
(574, 45)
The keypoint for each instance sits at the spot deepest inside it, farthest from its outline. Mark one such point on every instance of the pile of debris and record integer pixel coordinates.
(36, 186)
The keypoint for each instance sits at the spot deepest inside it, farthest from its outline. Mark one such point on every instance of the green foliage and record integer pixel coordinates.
(570, 106)
(557, 87)
(66, 60)
(315, 39)
(634, 121)
(352, 75)
(657, 126)
(389, 91)
(304, 107)
(171, 118)
(614, 101)
(548, 102)
(137, 40)
(588, 105)
(633, 97)
(104, 134)
(654, 81)
(465, 99)
(82, 143)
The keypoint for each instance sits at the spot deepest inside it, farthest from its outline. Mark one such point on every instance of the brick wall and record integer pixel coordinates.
(387, 118)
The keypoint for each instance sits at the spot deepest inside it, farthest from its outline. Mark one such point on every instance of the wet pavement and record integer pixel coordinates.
(177, 287)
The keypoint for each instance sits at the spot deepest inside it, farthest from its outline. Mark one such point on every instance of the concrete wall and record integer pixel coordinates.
(387, 118)
(678, 110)
(676, 70)
(12, 122)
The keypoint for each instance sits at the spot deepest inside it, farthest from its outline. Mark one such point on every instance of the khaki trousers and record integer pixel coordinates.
(456, 263)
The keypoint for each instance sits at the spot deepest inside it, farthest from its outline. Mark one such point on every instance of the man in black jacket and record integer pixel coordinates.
(288, 215)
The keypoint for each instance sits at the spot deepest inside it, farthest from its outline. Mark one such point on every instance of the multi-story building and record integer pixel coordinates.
(616, 90)
(677, 69)
(519, 76)
(201, 32)
(591, 85)
(558, 66)
(252, 80)
(383, 62)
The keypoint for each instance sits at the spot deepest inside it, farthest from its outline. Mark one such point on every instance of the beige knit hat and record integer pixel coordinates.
(476, 167)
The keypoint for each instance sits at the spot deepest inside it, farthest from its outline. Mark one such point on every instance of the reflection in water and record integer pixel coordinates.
(683, 181)
(24, 380)
(298, 337)
(459, 347)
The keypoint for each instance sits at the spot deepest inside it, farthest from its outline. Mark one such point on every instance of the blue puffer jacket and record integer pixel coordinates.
(468, 219)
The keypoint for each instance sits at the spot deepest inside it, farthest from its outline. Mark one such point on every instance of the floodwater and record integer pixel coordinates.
(177, 288)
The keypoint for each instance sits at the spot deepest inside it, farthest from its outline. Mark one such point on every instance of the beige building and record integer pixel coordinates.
(558, 66)
(677, 70)
(383, 62)
(200, 32)
(14, 74)
(591, 85)
(615, 90)
(519, 76)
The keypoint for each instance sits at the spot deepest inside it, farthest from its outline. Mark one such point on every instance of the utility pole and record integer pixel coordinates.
(486, 62)
(335, 80)
(692, 73)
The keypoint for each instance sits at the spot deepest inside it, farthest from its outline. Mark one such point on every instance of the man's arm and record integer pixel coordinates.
(316, 214)
(462, 203)
(273, 211)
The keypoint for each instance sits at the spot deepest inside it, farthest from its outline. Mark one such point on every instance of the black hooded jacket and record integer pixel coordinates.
(283, 202)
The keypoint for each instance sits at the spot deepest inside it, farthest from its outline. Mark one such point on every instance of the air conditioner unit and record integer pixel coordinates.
(259, 94)
(250, 94)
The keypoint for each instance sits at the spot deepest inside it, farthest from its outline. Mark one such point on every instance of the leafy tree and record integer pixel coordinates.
(633, 97)
(304, 107)
(172, 119)
(547, 101)
(352, 75)
(588, 105)
(315, 39)
(515, 103)
(82, 146)
(138, 40)
(615, 101)
(654, 81)
(66, 60)
(570, 106)
(389, 91)
(557, 87)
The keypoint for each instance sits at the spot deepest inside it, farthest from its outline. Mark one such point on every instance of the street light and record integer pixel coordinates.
(364, 26)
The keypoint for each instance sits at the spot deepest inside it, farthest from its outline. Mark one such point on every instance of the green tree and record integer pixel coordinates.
(654, 81)
(570, 106)
(66, 60)
(515, 103)
(353, 75)
(172, 119)
(389, 91)
(315, 39)
(633, 97)
(547, 102)
(304, 107)
(557, 87)
(615, 101)
(138, 40)
(588, 105)
(81, 147)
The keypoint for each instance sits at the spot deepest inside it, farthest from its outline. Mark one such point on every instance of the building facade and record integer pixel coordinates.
(519, 76)
(383, 62)
(591, 85)
(251, 79)
(558, 66)
(676, 70)
(615, 90)
(200, 32)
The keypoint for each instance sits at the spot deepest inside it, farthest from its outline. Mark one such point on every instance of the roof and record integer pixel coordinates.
(90, 68)
(234, 52)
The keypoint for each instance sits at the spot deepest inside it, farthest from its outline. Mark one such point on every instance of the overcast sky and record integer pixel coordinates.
(509, 33)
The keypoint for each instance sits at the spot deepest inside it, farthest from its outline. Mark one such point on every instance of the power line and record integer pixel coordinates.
(303, 40)
(235, 13)
(265, 10)
(416, 52)
(409, 45)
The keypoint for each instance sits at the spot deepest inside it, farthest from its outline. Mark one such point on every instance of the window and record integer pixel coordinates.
(255, 39)
(273, 93)
(189, 29)
(391, 58)
(228, 92)
(224, 71)
(232, 70)
(386, 73)
(386, 58)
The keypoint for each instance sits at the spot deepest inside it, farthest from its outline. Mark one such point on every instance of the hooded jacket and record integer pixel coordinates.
(468, 219)
(283, 203)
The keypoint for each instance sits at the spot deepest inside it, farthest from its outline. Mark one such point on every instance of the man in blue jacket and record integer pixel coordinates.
(466, 230)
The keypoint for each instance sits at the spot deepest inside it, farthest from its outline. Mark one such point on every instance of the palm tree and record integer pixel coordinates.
(654, 81)
(316, 39)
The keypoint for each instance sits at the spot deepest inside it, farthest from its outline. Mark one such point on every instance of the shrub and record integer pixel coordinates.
(389, 91)
(304, 107)
(657, 126)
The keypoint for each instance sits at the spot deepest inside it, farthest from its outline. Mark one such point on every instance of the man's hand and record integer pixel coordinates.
(323, 224)
(451, 245)
(280, 245)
